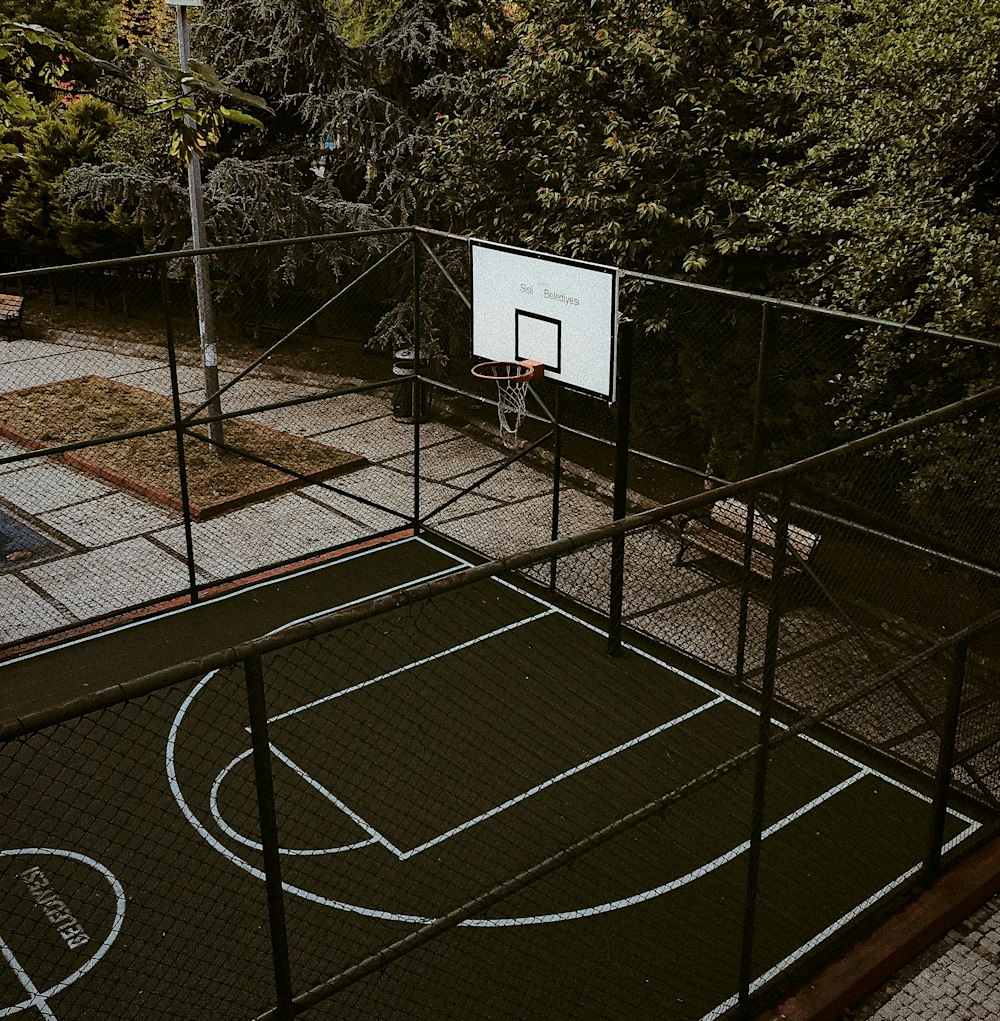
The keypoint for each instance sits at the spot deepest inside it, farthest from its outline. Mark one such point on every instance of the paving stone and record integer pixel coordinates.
(9, 449)
(512, 484)
(323, 420)
(504, 529)
(953, 981)
(39, 486)
(385, 439)
(25, 612)
(262, 534)
(112, 578)
(453, 458)
(69, 364)
(29, 350)
(395, 490)
(109, 519)
(156, 379)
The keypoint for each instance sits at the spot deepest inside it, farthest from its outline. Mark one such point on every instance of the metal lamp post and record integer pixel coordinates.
(199, 239)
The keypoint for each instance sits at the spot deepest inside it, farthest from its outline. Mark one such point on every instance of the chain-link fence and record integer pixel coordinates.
(155, 448)
(727, 383)
(479, 797)
(376, 424)
(757, 710)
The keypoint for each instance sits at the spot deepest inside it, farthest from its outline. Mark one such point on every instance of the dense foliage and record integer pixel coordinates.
(885, 200)
(619, 132)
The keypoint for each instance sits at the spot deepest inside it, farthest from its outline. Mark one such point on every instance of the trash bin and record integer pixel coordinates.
(404, 363)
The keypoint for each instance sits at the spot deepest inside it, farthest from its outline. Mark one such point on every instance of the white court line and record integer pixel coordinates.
(291, 851)
(373, 912)
(380, 838)
(370, 911)
(698, 873)
(36, 999)
(745, 706)
(893, 782)
(409, 666)
(814, 942)
(632, 743)
(577, 913)
(113, 932)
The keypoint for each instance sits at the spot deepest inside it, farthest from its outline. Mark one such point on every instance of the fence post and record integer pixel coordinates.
(756, 443)
(256, 705)
(620, 498)
(556, 484)
(416, 396)
(175, 394)
(946, 762)
(763, 750)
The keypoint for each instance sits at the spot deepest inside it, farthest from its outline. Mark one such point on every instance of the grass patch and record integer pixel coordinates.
(91, 408)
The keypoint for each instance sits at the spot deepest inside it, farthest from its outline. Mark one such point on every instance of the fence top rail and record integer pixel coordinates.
(340, 618)
(187, 253)
(831, 313)
(764, 299)
(413, 231)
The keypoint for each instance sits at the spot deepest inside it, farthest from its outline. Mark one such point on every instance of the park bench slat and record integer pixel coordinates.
(11, 306)
(723, 533)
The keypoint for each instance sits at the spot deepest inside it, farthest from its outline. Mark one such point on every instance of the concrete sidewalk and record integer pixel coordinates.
(102, 550)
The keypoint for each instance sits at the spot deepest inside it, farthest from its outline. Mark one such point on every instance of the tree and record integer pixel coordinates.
(358, 20)
(342, 150)
(33, 213)
(364, 109)
(886, 198)
(149, 22)
(885, 201)
(41, 72)
(625, 132)
(90, 24)
(634, 133)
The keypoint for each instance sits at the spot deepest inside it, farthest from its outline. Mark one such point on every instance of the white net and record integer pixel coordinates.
(511, 379)
(511, 406)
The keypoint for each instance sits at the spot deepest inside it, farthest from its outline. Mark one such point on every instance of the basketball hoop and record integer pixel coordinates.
(512, 380)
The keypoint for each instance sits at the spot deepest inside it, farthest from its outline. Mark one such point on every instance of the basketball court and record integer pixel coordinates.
(419, 759)
(478, 811)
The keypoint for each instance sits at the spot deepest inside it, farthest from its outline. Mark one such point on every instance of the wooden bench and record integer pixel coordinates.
(724, 533)
(10, 316)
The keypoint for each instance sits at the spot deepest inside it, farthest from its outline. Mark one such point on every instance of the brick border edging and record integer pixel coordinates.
(951, 898)
(199, 512)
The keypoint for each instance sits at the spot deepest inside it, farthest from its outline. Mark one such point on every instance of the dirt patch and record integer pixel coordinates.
(91, 407)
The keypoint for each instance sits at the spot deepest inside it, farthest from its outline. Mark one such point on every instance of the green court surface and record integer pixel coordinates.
(421, 758)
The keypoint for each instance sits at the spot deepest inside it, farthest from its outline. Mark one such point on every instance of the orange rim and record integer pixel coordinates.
(503, 372)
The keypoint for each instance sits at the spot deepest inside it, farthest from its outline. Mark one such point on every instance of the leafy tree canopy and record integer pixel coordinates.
(366, 107)
(34, 215)
(90, 24)
(358, 20)
(627, 131)
(886, 196)
(885, 200)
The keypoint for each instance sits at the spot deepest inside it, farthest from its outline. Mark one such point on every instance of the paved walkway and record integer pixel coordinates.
(957, 979)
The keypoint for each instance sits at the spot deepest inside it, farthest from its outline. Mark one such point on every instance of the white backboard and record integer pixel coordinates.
(560, 312)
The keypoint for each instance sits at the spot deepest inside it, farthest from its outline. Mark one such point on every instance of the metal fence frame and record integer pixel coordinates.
(780, 481)
(288, 1002)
